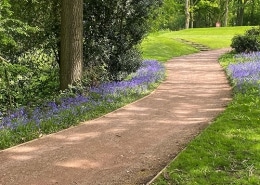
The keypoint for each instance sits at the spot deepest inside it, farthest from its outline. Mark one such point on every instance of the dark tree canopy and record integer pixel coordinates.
(112, 29)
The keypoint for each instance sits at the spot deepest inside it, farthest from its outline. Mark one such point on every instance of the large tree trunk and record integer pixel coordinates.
(187, 14)
(71, 61)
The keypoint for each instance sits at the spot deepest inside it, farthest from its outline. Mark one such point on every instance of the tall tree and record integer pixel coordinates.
(187, 13)
(241, 5)
(226, 13)
(71, 61)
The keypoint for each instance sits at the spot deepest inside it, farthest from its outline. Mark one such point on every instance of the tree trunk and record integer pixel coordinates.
(192, 14)
(71, 61)
(187, 13)
(226, 13)
(253, 6)
(240, 12)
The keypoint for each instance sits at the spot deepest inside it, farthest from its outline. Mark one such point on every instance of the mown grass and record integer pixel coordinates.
(162, 47)
(212, 37)
(228, 151)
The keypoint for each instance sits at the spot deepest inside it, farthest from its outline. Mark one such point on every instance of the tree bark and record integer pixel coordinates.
(187, 14)
(240, 12)
(71, 61)
(253, 6)
(192, 14)
(226, 13)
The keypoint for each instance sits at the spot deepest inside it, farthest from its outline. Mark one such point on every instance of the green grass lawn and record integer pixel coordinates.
(163, 45)
(228, 151)
(211, 37)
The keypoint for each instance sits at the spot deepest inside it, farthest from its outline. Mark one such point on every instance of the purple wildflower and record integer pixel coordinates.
(247, 71)
(149, 72)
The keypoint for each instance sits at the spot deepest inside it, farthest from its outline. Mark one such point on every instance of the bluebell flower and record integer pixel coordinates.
(246, 70)
(149, 72)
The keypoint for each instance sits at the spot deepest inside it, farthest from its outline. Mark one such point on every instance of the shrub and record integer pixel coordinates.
(33, 79)
(112, 30)
(248, 42)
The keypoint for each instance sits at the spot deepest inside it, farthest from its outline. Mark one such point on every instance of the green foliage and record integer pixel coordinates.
(206, 13)
(169, 16)
(33, 79)
(112, 29)
(248, 42)
(11, 30)
(43, 19)
(29, 45)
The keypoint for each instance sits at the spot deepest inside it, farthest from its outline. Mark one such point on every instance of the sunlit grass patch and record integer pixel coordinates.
(215, 37)
(164, 47)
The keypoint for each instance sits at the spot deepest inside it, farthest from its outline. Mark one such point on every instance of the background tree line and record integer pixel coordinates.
(179, 14)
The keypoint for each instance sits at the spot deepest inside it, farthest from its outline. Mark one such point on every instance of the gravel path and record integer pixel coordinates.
(132, 144)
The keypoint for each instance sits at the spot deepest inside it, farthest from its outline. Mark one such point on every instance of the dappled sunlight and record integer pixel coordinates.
(78, 163)
(77, 136)
(212, 110)
(116, 130)
(196, 119)
(21, 157)
(24, 149)
(24, 153)
(182, 113)
(139, 109)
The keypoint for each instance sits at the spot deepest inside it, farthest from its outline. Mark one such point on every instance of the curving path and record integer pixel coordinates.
(132, 144)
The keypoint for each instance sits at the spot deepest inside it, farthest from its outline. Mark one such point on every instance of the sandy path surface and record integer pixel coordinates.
(132, 144)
